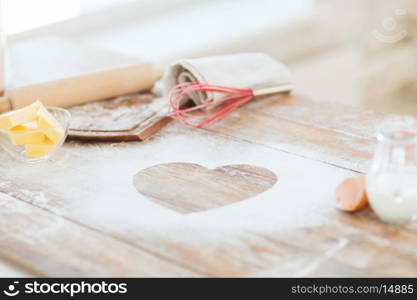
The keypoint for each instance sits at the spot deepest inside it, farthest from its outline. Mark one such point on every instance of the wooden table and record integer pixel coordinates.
(81, 215)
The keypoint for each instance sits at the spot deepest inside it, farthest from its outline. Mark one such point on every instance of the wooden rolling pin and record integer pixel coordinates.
(84, 88)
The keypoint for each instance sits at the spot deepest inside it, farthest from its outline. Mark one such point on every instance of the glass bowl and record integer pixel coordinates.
(63, 116)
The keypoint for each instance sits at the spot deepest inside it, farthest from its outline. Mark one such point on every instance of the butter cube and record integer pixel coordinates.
(26, 134)
(49, 125)
(25, 127)
(20, 116)
(38, 150)
(27, 137)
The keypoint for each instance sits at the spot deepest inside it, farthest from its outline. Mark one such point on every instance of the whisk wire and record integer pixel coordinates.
(206, 113)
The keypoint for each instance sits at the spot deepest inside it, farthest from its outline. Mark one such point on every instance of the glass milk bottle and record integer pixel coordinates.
(391, 184)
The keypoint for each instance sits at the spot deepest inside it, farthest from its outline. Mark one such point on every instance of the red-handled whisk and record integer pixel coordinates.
(207, 113)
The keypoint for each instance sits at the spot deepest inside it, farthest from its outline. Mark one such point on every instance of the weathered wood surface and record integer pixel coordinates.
(60, 217)
(335, 134)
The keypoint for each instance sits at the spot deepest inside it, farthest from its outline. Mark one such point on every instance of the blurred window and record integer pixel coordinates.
(50, 39)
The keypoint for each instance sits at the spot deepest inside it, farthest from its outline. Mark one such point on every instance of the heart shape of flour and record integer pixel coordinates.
(187, 188)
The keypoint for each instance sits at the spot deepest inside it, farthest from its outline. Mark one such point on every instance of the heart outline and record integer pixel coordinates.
(191, 188)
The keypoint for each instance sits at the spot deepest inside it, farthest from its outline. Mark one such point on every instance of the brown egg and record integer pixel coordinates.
(351, 194)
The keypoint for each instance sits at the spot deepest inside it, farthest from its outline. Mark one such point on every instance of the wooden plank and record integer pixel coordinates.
(330, 133)
(343, 249)
(333, 116)
(52, 245)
